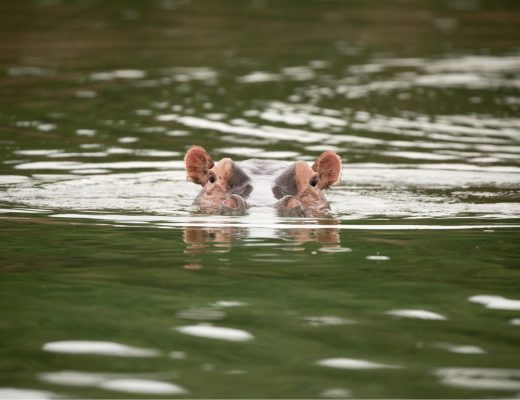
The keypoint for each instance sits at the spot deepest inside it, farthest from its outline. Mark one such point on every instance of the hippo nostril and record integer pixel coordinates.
(289, 202)
(211, 177)
(233, 205)
(231, 202)
(292, 203)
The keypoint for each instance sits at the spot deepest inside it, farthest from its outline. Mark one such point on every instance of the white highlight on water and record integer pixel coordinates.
(378, 258)
(335, 393)
(352, 363)
(72, 378)
(327, 320)
(216, 332)
(420, 314)
(480, 378)
(111, 382)
(496, 302)
(460, 349)
(142, 386)
(13, 393)
(203, 314)
(98, 348)
(118, 74)
(228, 303)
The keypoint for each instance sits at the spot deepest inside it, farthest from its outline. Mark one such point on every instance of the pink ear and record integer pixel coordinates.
(198, 162)
(328, 167)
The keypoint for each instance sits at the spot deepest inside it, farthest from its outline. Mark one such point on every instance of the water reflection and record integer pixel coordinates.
(229, 303)
(327, 320)
(98, 348)
(221, 237)
(328, 236)
(496, 302)
(216, 332)
(12, 393)
(203, 314)
(369, 190)
(113, 382)
(352, 363)
(480, 378)
(335, 393)
(460, 349)
(100, 106)
(197, 239)
(419, 314)
(143, 386)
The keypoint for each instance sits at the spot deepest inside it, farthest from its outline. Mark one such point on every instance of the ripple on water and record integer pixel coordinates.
(480, 378)
(118, 74)
(72, 378)
(335, 393)
(98, 348)
(496, 302)
(203, 314)
(86, 132)
(460, 349)
(142, 386)
(352, 363)
(111, 382)
(229, 303)
(327, 320)
(335, 249)
(13, 179)
(12, 393)
(419, 314)
(177, 355)
(374, 189)
(216, 332)
(378, 258)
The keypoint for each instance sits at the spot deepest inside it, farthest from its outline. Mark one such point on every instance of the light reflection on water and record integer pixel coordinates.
(114, 382)
(17, 393)
(352, 363)
(367, 191)
(472, 151)
(216, 332)
(421, 106)
(99, 348)
(480, 378)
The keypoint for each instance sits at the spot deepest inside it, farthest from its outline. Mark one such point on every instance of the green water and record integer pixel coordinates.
(113, 286)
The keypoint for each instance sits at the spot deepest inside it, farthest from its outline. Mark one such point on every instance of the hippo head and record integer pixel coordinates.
(300, 187)
(224, 185)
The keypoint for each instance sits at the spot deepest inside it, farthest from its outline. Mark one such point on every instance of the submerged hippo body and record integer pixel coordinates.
(231, 188)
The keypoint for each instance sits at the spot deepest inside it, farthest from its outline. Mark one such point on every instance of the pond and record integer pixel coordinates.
(113, 285)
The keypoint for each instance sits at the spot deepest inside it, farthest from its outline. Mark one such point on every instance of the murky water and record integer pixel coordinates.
(112, 285)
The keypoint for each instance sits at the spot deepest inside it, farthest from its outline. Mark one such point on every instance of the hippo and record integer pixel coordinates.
(295, 190)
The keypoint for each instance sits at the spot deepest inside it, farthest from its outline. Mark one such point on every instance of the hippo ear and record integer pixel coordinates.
(198, 162)
(328, 167)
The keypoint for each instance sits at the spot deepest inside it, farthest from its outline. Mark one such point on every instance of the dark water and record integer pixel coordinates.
(111, 283)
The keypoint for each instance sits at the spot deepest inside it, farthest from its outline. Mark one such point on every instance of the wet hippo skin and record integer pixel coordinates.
(300, 187)
(226, 186)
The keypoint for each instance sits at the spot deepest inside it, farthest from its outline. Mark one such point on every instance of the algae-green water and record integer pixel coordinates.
(113, 285)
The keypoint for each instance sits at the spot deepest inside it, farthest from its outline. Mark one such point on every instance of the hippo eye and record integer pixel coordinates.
(314, 181)
(212, 178)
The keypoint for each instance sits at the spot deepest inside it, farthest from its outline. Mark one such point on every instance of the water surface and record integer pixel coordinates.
(113, 285)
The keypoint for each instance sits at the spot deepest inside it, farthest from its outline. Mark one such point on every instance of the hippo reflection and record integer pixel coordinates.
(227, 186)
(220, 238)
